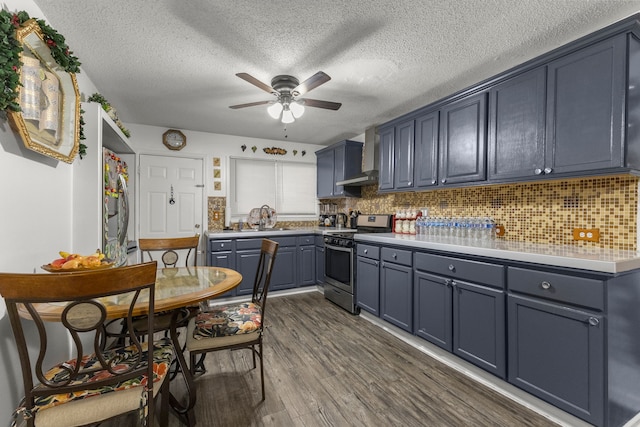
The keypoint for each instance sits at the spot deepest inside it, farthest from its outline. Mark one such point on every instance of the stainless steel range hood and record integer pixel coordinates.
(369, 174)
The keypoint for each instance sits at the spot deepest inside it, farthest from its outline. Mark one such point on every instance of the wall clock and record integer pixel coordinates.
(174, 139)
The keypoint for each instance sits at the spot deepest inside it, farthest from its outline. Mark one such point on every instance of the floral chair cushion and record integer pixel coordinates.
(229, 320)
(162, 356)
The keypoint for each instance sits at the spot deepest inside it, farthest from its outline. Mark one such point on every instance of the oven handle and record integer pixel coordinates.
(338, 248)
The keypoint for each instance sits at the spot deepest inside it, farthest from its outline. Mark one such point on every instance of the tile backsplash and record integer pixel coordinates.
(540, 212)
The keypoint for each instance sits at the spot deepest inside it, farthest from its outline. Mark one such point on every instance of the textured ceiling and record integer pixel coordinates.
(173, 63)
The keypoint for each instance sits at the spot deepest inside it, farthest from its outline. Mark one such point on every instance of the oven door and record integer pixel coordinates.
(338, 267)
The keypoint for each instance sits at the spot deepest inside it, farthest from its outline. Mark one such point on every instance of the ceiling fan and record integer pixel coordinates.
(287, 89)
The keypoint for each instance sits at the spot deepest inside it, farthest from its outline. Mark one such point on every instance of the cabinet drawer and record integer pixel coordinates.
(397, 256)
(285, 241)
(319, 240)
(558, 287)
(463, 269)
(306, 240)
(368, 251)
(242, 244)
(221, 245)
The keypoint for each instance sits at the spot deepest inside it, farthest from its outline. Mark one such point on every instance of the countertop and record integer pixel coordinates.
(592, 259)
(247, 233)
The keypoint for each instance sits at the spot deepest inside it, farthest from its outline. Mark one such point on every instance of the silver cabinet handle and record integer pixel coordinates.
(545, 285)
(409, 183)
(433, 181)
(538, 171)
(222, 245)
(366, 251)
(394, 256)
(443, 180)
(376, 263)
(452, 267)
(548, 170)
(448, 282)
(594, 321)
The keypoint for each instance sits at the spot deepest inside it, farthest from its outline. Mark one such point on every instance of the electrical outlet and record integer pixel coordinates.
(588, 234)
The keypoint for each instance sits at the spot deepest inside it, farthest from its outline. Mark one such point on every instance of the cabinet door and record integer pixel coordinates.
(397, 295)
(516, 126)
(479, 326)
(463, 128)
(425, 166)
(319, 265)
(326, 182)
(306, 265)
(284, 271)
(557, 354)
(247, 265)
(386, 172)
(404, 155)
(585, 108)
(433, 309)
(368, 284)
(224, 260)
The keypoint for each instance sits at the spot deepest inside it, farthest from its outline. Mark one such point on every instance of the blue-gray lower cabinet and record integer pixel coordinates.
(221, 253)
(433, 306)
(557, 354)
(306, 261)
(284, 272)
(368, 278)
(479, 326)
(396, 288)
(319, 260)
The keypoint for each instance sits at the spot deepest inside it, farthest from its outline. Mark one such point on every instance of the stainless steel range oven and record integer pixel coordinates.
(339, 260)
(338, 270)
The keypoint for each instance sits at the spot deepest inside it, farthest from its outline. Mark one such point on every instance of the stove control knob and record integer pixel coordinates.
(348, 243)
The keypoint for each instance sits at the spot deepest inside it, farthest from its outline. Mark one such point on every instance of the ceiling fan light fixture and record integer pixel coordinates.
(287, 116)
(297, 109)
(274, 110)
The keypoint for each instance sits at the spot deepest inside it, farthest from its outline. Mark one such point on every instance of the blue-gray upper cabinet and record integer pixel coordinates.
(586, 109)
(516, 142)
(463, 140)
(338, 162)
(387, 158)
(403, 152)
(425, 170)
(409, 154)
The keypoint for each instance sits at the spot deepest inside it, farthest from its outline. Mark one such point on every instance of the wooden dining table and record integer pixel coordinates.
(176, 288)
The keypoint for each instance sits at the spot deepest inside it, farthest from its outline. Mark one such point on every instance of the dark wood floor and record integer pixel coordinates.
(325, 367)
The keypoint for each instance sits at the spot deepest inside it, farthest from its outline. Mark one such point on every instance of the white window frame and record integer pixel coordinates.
(276, 198)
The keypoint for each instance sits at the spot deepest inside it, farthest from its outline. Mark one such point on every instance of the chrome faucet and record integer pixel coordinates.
(263, 218)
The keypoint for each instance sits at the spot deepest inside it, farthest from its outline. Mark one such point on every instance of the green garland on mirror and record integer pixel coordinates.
(10, 50)
(10, 64)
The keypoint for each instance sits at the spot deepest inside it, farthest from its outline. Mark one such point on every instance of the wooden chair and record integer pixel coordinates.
(168, 247)
(88, 388)
(235, 326)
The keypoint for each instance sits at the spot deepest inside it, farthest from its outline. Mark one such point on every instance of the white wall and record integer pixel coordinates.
(35, 221)
(148, 140)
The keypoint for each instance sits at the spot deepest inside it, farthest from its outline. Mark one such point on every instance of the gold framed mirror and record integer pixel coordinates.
(49, 99)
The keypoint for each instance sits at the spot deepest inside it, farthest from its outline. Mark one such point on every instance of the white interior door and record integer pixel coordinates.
(171, 196)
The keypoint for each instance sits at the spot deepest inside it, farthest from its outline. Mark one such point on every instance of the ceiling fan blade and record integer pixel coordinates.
(311, 83)
(250, 104)
(257, 83)
(321, 104)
